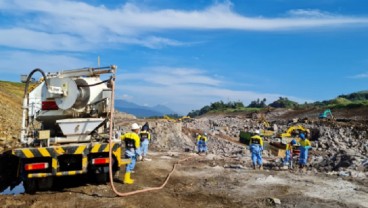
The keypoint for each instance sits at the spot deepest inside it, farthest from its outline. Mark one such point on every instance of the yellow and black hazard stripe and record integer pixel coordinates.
(54, 152)
(38, 175)
(64, 173)
(72, 172)
(104, 147)
(60, 150)
(50, 151)
(32, 152)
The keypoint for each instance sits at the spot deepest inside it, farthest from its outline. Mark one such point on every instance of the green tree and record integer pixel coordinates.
(284, 102)
(258, 103)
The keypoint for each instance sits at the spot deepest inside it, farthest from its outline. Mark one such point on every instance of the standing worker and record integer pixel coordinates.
(145, 127)
(289, 151)
(202, 143)
(305, 145)
(145, 138)
(256, 148)
(132, 150)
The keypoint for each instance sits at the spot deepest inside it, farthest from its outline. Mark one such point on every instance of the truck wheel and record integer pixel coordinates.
(45, 184)
(100, 176)
(30, 185)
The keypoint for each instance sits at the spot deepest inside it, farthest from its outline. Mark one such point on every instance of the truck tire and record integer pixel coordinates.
(45, 184)
(30, 185)
(101, 178)
(98, 175)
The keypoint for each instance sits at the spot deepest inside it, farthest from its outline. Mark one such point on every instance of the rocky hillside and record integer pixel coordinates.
(10, 112)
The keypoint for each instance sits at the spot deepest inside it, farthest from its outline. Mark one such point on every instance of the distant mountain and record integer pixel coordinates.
(163, 109)
(142, 111)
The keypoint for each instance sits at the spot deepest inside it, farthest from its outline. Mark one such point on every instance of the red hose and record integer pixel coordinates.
(110, 155)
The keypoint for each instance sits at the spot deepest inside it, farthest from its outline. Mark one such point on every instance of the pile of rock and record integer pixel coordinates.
(219, 146)
(168, 136)
(341, 149)
(338, 149)
(230, 126)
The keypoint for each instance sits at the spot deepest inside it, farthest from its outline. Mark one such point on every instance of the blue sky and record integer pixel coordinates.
(187, 54)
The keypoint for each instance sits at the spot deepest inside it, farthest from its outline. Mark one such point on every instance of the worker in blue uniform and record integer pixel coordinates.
(305, 145)
(289, 152)
(256, 148)
(202, 143)
(145, 138)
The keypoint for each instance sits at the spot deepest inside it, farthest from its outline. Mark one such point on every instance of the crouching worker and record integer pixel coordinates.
(289, 153)
(202, 143)
(132, 147)
(256, 148)
(305, 145)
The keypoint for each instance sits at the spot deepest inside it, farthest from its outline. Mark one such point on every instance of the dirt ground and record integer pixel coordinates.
(202, 182)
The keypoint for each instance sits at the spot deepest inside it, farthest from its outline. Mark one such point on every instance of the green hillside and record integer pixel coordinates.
(352, 100)
(10, 108)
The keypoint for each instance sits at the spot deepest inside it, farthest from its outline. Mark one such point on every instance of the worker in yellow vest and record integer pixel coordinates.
(289, 152)
(145, 138)
(305, 145)
(256, 148)
(202, 143)
(132, 151)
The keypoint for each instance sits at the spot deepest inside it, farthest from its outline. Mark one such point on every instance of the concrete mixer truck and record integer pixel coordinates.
(65, 129)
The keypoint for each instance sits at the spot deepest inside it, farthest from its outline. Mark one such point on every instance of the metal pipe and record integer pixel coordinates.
(25, 119)
(23, 131)
(61, 140)
(88, 71)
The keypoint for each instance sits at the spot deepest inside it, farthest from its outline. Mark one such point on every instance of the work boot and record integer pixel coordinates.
(302, 168)
(254, 166)
(260, 167)
(147, 159)
(127, 179)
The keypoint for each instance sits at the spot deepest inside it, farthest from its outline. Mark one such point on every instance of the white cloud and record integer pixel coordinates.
(79, 26)
(312, 13)
(149, 42)
(180, 90)
(126, 97)
(29, 39)
(19, 62)
(359, 76)
(167, 76)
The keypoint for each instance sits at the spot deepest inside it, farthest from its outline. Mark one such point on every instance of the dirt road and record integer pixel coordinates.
(203, 182)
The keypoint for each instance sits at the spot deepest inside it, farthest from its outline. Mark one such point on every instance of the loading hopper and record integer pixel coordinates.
(79, 126)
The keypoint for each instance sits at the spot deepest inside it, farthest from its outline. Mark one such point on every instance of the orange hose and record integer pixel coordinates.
(110, 154)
